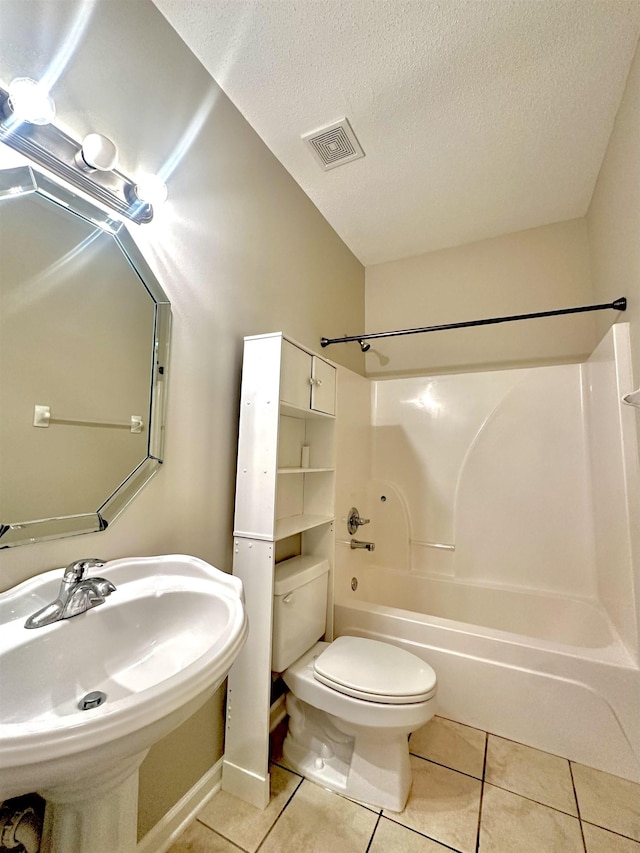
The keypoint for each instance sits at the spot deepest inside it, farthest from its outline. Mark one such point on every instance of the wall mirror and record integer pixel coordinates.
(84, 346)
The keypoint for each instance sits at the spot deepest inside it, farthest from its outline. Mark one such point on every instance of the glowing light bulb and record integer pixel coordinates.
(30, 101)
(151, 189)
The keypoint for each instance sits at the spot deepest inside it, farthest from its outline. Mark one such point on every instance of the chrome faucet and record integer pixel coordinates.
(369, 546)
(354, 521)
(77, 594)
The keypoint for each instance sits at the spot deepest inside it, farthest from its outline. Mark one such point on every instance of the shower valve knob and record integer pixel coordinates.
(354, 521)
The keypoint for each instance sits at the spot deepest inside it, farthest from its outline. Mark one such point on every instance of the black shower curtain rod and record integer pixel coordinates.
(617, 305)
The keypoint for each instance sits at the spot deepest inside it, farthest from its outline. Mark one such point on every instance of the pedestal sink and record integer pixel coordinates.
(157, 648)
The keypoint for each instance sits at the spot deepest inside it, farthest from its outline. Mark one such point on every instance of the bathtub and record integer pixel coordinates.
(545, 670)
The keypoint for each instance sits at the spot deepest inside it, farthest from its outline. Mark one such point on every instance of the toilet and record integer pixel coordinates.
(353, 702)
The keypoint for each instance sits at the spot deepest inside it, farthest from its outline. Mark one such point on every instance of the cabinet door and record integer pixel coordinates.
(323, 387)
(295, 376)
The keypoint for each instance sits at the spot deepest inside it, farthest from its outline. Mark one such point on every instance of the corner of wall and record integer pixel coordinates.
(613, 218)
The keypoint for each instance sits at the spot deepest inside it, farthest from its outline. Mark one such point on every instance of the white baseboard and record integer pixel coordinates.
(176, 820)
(245, 785)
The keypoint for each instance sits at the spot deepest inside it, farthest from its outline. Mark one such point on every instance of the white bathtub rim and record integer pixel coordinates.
(614, 654)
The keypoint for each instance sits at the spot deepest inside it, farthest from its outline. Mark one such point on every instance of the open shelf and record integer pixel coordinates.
(297, 523)
(304, 470)
(296, 412)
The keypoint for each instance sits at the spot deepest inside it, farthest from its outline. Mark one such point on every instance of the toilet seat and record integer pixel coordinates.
(374, 671)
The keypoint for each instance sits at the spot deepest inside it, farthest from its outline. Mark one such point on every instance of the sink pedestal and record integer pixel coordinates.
(94, 815)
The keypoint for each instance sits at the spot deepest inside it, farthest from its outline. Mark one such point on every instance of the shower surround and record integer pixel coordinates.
(504, 507)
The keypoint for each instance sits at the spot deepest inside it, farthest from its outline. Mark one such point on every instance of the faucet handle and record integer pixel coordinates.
(354, 521)
(104, 586)
(78, 569)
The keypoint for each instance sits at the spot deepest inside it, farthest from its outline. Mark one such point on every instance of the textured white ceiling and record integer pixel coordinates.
(477, 117)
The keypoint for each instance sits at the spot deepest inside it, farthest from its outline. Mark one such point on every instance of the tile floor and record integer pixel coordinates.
(472, 791)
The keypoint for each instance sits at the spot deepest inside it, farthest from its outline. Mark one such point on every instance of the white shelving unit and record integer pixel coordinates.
(283, 508)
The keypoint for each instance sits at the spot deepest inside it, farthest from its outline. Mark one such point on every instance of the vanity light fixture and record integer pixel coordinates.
(26, 113)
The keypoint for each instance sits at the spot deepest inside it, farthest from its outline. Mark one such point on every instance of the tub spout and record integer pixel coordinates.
(356, 543)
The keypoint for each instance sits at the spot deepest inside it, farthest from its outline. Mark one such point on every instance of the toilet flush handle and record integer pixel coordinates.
(288, 598)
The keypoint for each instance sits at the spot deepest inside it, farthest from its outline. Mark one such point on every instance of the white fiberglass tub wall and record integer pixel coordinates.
(504, 552)
(492, 470)
(615, 475)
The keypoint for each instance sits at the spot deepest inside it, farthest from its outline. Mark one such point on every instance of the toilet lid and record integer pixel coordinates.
(375, 671)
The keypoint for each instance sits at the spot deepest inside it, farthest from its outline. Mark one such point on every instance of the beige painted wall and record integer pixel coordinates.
(238, 248)
(541, 269)
(614, 216)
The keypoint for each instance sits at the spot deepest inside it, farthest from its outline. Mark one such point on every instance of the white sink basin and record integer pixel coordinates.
(158, 647)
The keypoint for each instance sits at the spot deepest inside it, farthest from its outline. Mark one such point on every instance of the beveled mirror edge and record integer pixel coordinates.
(28, 532)
(127, 491)
(38, 530)
(162, 337)
(157, 419)
(36, 181)
(17, 181)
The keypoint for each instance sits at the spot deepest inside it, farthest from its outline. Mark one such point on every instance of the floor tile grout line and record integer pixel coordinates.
(531, 800)
(484, 770)
(302, 779)
(281, 812)
(446, 767)
(486, 755)
(575, 794)
(421, 834)
(229, 840)
(612, 831)
(283, 766)
(379, 818)
(220, 835)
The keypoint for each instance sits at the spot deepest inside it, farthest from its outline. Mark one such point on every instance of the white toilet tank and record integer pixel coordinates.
(299, 608)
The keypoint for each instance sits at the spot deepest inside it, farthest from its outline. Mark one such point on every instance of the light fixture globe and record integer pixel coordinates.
(99, 152)
(30, 101)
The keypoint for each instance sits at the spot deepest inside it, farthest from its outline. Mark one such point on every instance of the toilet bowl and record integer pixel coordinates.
(352, 703)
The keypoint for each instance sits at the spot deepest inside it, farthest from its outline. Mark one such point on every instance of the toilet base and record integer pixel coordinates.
(364, 764)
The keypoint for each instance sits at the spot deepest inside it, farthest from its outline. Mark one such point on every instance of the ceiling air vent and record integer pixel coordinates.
(334, 145)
